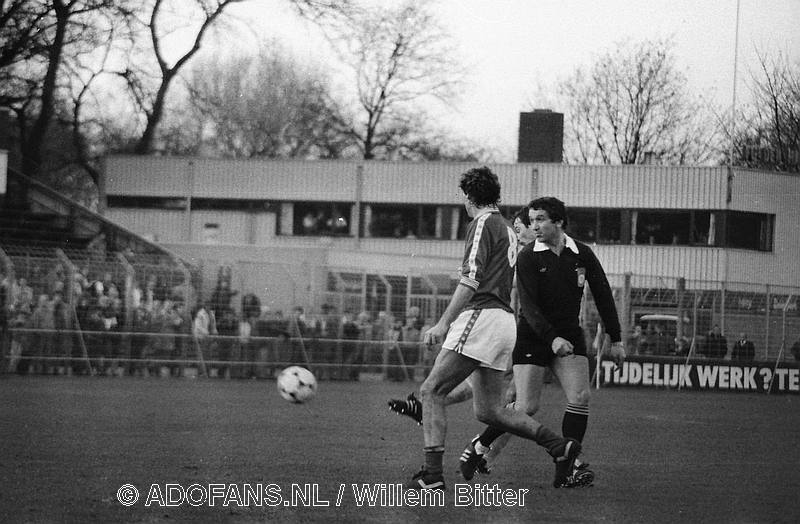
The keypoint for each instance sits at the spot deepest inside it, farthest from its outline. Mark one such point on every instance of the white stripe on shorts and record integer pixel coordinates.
(459, 347)
(486, 335)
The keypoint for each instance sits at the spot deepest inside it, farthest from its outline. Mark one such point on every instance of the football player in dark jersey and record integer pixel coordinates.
(551, 274)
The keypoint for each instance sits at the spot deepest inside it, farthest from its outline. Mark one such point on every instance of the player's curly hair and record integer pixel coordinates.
(481, 186)
(555, 208)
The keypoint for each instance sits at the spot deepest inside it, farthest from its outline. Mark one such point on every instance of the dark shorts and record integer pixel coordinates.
(531, 349)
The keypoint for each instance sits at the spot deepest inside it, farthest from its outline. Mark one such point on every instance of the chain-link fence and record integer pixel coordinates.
(356, 352)
(674, 316)
(65, 309)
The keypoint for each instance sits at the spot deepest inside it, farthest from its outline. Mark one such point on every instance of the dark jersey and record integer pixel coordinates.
(550, 288)
(489, 257)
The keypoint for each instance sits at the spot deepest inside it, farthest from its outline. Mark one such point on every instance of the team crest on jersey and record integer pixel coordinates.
(581, 271)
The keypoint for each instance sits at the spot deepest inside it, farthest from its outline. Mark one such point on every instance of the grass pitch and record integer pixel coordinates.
(68, 443)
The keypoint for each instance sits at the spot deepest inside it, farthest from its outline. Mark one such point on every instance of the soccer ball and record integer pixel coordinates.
(297, 384)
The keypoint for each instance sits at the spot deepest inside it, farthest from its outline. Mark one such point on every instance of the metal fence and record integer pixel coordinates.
(366, 353)
(144, 310)
(684, 312)
(767, 315)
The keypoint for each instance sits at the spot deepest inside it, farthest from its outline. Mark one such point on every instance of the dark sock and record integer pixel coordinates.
(489, 435)
(548, 439)
(576, 417)
(433, 459)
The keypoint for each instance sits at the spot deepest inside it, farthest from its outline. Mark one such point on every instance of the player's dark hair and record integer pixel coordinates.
(523, 216)
(481, 186)
(555, 208)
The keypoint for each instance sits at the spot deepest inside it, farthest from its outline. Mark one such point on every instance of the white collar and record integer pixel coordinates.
(538, 245)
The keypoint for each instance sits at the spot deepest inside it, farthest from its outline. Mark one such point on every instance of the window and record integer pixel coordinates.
(749, 230)
(321, 218)
(230, 204)
(402, 221)
(610, 226)
(145, 202)
(602, 226)
(662, 227)
(702, 233)
(463, 223)
(582, 224)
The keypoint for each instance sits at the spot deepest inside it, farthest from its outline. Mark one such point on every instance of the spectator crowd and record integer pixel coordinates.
(91, 332)
(161, 336)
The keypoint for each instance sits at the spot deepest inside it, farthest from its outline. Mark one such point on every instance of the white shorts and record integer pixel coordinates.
(486, 335)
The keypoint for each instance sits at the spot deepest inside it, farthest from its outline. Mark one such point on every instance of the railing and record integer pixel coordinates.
(117, 353)
(768, 315)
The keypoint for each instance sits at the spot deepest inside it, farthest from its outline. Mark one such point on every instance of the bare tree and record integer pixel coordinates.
(22, 31)
(400, 57)
(148, 87)
(633, 103)
(264, 105)
(55, 53)
(149, 78)
(45, 41)
(422, 144)
(768, 132)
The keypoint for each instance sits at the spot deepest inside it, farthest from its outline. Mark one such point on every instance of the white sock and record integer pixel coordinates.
(480, 449)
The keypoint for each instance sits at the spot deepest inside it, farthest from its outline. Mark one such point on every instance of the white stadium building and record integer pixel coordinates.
(719, 245)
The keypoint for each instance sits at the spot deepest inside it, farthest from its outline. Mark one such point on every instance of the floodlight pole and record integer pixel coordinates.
(729, 184)
(732, 125)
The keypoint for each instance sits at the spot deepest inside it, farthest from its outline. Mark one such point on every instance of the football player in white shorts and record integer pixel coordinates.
(478, 332)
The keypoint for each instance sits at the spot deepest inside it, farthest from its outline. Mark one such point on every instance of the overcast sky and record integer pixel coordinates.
(516, 50)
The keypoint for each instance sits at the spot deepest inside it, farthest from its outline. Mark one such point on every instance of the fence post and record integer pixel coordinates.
(388, 291)
(625, 314)
(409, 278)
(722, 308)
(189, 300)
(693, 344)
(364, 293)
(10, 278)
(432, 313)
(69, 294)
(8, 269)
(768, 320)
(340, 288)
(73, 321)
(681, 293)
(69, 277)
(783, 341)
(128, 288)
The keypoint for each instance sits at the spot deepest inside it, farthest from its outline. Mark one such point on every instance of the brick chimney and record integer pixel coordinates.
(541, 136)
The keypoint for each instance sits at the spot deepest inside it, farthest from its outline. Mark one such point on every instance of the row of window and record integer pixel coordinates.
(734, 229)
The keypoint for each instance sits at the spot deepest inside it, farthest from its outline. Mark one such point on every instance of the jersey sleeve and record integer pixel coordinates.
(527, 288)
(476, 253)
(603, 296)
